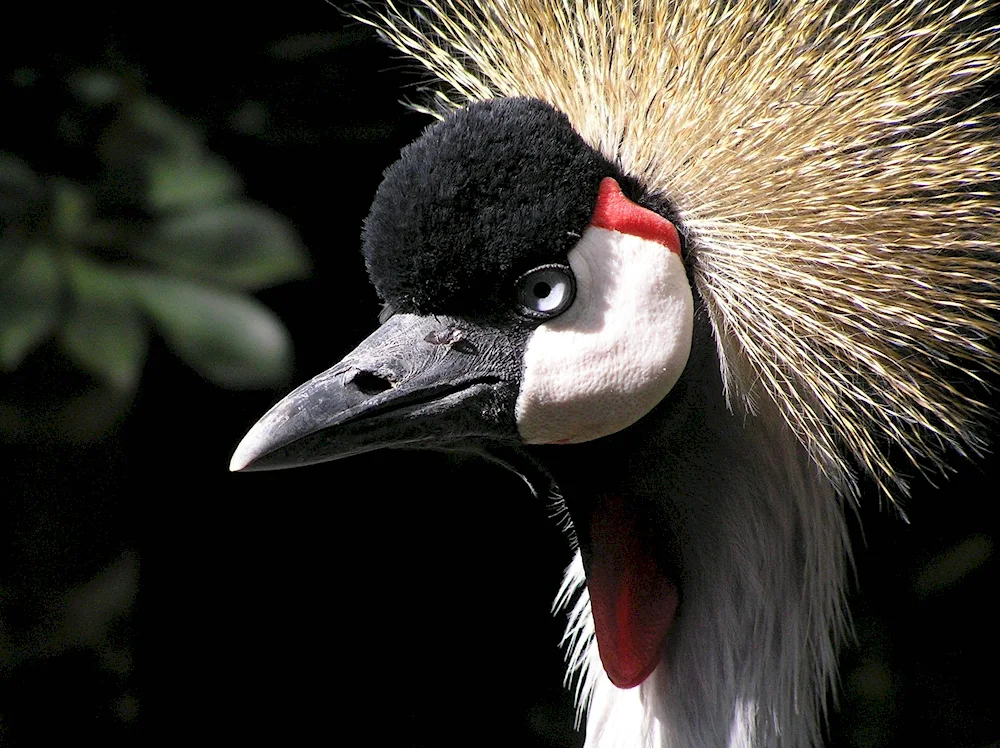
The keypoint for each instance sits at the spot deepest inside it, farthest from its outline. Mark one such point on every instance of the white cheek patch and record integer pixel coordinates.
(617, 351)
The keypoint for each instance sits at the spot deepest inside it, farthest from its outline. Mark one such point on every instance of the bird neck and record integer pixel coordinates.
(756, 540)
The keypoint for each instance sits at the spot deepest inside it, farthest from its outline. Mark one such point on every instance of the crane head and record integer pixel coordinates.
(534, 301)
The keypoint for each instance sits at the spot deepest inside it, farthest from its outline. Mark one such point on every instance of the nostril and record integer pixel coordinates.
(370, 384)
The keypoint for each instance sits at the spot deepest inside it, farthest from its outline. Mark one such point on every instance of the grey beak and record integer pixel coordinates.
(417, 381)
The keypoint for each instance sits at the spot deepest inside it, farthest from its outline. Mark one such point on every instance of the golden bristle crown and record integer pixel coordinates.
(832, 163)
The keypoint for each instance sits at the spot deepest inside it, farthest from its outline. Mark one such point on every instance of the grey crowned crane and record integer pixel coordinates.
(691, 268)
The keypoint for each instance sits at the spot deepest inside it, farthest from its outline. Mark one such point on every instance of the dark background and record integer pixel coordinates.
(397, 598)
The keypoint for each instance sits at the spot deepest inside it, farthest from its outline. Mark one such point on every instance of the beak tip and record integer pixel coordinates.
(248, 450)
(239, 460)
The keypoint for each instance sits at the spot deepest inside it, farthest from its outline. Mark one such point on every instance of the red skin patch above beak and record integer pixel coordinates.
(616, 212)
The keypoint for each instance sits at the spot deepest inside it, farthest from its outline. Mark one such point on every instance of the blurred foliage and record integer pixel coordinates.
(134, 354)
(85, 616)
(160, 240)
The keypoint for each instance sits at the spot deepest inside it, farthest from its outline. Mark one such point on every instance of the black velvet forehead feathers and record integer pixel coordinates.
(494, 190)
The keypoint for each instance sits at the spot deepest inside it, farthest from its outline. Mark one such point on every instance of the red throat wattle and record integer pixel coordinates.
(632, 602)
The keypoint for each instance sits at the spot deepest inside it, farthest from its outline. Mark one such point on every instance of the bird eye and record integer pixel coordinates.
(546, 291)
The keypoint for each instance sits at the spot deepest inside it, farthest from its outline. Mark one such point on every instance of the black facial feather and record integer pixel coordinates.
(493, 190)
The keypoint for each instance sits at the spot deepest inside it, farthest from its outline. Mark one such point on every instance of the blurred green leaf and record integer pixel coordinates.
(170, 133)
(104, 332)
(95, 87)
(28, 301)
(108, 341)
(23, 77)
(950, 567)
(20, 188)
(230, 339)
(301, 46)
(89, 611)
(243, 245)
(178, 181)
(71, 210)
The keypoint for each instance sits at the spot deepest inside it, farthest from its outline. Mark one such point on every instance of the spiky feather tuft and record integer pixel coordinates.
(832, 163)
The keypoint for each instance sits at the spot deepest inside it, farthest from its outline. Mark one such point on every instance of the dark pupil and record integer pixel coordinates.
(542, 289)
